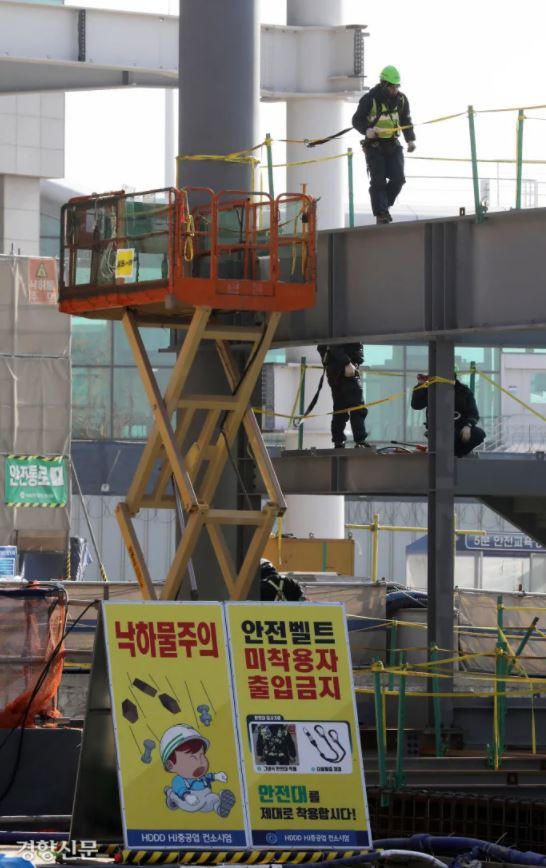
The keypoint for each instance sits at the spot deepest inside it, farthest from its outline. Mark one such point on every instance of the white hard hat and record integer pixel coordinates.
(177, 735)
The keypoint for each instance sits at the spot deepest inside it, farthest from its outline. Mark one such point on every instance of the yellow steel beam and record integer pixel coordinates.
(235, 417)
(254, 434)
(177, 381)
(161, 414)
(135, 552)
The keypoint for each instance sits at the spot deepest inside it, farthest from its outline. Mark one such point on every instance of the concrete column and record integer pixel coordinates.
(441, 565)
(20, 215)
(219, 88)
(170, 155)
(314, 118)
(218, 105)
(320, 516)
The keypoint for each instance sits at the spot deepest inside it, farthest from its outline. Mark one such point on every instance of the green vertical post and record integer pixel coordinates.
(480, 216)
(519, 157)
(500, 671)
(351, 187)
(400, 778)
(324, 557)
(473, 377)
(303, 367)
(380, 730)
(268, 143)
(439, 746)
(522, 644)
(393, 641)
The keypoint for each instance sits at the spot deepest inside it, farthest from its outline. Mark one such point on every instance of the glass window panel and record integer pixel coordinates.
(417, 358)
(385, 421)
(153, 339)
(384, 356)
(538, 387)
(91, 403)
(132, 414)
(91, 342)
(487, 358)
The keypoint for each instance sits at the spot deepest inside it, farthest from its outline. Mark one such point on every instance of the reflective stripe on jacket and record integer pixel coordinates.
(387, 123)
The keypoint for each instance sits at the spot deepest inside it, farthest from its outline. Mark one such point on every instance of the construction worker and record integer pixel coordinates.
(274, 587)
(380, 114)
(342, 364)
(466, 417)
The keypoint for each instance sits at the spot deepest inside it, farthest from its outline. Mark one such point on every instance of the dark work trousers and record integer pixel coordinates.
(348, 393)
(477, 436)
(385, 162)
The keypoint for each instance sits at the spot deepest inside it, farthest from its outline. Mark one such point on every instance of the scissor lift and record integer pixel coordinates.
(223, 267)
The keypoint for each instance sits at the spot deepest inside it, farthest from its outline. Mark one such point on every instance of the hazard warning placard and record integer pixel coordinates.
(42, 281)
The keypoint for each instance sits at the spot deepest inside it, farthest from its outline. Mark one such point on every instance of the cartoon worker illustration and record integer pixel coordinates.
(183, 751)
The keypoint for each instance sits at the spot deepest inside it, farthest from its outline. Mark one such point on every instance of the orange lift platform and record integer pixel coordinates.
(222, 267)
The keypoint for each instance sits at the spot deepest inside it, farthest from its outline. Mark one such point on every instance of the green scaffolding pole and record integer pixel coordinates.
(500, 686)
(380, 730)
(268, 143)
(393, 641)
(480, 215)
(519, 157)
(400, 778)
(351, 187)
(303, 367)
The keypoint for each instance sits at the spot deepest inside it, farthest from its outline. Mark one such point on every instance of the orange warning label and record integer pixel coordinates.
(42, 281)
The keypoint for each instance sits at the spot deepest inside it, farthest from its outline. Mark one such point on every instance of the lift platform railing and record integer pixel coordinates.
(231, 250)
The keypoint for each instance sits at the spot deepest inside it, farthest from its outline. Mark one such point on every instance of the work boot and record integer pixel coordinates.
(383, 218)
(340, 445)
(227, 800)
(361, 444)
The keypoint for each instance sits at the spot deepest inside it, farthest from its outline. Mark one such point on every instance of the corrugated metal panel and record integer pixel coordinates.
(155, 530)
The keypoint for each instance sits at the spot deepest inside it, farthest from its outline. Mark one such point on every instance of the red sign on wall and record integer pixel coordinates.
(42, 281)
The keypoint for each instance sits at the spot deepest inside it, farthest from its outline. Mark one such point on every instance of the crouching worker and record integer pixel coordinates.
(274, 587)
(467, 434)
(342, 364)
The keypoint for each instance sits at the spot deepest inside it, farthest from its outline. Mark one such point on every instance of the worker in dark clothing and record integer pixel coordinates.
(467, 433)
(273, 586)
(342, 363)
(380, 114)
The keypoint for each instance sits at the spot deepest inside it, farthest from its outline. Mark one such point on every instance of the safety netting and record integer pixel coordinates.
(32, 623)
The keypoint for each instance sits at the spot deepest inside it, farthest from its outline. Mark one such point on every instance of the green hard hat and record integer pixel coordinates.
(390, 74)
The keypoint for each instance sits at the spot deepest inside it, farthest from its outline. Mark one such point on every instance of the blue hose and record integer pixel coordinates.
(430, 843)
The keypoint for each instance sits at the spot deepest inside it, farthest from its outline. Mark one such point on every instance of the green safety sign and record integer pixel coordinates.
(34, 481)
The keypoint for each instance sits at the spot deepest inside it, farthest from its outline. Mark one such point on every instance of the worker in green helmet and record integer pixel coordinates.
(381, 114)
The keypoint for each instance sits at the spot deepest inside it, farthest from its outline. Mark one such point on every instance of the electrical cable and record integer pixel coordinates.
(40, 680)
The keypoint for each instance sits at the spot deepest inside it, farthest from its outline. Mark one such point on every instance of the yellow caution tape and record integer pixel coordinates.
(394, 397)
(510, 395)
(308, 162)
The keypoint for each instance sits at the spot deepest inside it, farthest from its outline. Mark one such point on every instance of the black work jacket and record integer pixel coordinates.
(336, 356)
(361, 118)
(466, 409)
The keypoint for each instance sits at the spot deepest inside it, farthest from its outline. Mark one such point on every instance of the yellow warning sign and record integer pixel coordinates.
(125, 262)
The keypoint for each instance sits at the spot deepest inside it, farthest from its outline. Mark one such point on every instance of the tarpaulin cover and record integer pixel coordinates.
(32, 621)
(477, 622)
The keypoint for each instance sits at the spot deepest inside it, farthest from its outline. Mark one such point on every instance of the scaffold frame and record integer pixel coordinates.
(196, 470)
